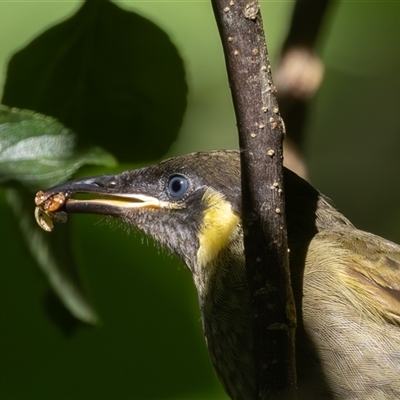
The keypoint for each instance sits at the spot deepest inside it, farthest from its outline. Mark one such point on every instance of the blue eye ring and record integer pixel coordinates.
(177, 186)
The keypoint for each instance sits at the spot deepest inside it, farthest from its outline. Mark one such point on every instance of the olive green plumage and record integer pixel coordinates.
(346, 282)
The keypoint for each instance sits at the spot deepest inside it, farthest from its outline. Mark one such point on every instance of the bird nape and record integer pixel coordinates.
(346, 282)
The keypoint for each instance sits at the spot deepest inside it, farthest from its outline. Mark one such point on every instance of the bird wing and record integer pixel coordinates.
(372, 272)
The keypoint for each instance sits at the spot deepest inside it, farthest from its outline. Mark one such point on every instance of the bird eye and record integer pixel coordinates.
(177, 186)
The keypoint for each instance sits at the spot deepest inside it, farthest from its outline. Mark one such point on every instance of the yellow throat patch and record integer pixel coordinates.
(219, 224)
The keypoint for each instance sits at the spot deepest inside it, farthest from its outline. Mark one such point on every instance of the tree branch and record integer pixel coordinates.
(299, 74)
(261, 132)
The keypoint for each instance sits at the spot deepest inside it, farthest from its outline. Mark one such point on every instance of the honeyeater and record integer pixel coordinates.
(346, 282)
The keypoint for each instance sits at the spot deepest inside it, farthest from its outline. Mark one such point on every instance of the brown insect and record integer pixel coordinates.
(46, 205)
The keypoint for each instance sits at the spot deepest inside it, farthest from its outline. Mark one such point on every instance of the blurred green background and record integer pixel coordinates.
(149, 342)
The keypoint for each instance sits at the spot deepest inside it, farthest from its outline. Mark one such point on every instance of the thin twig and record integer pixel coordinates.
(261, 132)
(299, 74)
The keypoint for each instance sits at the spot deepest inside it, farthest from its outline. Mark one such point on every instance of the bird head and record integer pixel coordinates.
(189, 204)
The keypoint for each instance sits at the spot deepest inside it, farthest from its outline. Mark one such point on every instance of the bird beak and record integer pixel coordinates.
(109, 199)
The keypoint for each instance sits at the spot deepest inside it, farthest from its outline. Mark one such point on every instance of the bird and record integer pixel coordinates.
(346, 282)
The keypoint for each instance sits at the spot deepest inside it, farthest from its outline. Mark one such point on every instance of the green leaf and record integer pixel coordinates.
(53, 255)
(112, 76)
(39, 152)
